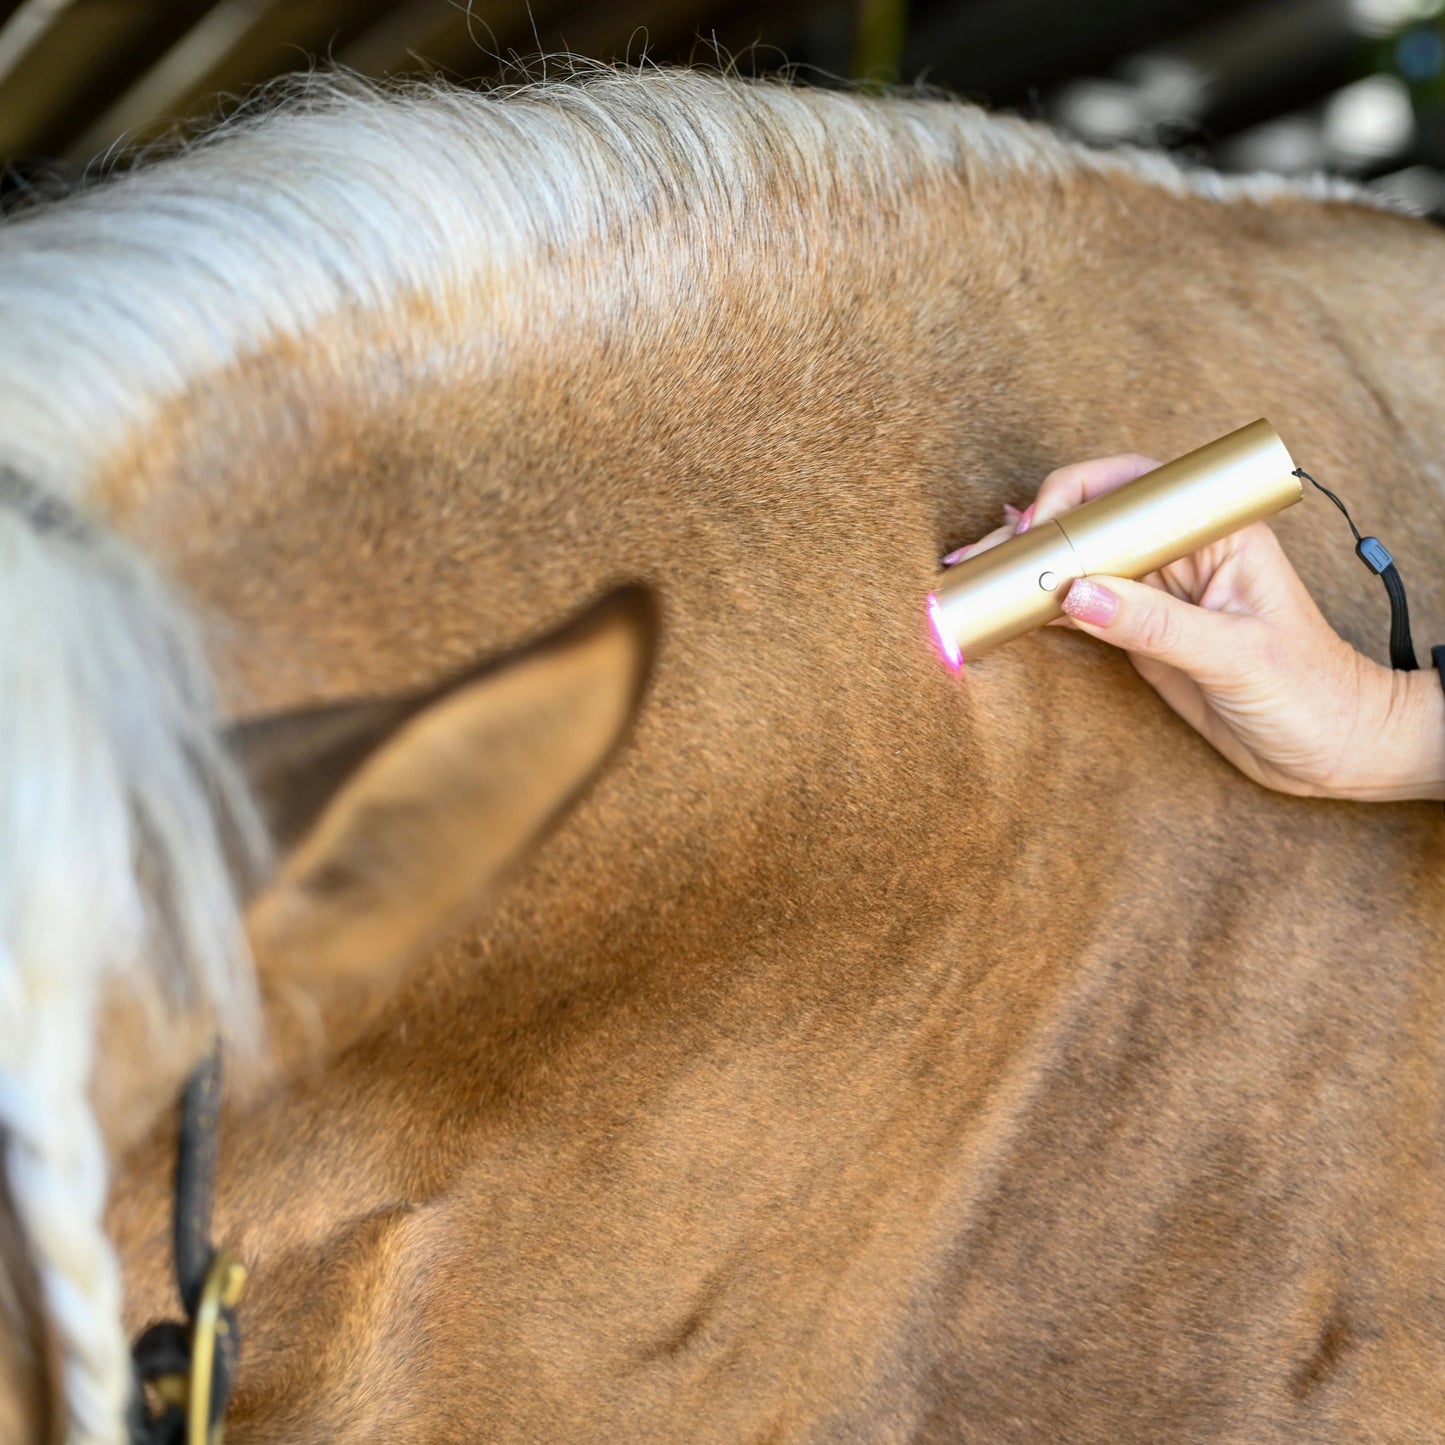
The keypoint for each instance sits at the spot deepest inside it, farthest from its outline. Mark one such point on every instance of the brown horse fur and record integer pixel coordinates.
(872, 1054)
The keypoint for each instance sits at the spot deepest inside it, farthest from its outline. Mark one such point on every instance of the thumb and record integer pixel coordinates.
(1151, 622)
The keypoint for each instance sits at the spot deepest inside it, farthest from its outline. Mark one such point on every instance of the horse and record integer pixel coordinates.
(815, 1045)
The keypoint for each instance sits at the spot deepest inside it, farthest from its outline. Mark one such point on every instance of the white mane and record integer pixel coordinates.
(114, 798)
(113, 301)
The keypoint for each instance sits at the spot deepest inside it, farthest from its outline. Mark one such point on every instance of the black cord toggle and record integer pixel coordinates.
(1371, 551)
(1376, 556)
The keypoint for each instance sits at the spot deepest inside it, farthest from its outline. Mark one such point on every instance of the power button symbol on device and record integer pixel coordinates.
(1048, 581)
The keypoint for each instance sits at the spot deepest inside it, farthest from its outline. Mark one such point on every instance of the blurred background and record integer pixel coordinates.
(1355, 87)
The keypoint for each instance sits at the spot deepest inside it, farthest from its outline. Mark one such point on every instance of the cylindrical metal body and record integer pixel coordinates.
(1136, 529)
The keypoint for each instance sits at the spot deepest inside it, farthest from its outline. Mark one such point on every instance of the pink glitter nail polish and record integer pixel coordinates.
(1086, 601)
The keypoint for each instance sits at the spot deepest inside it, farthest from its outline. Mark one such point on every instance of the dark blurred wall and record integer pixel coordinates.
(1352, 86)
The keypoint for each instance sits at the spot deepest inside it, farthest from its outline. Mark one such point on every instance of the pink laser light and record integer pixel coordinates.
(952, 654)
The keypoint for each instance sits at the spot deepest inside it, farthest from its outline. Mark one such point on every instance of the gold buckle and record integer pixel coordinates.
(225, 1280)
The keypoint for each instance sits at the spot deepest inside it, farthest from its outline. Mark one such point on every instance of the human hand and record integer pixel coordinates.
(1232, 641)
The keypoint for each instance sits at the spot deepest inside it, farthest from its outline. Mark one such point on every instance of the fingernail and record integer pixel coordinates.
(957, 556)
(1011, 513)
(1086, 601)
(1025, 521)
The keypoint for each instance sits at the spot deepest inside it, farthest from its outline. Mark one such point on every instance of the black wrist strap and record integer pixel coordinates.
(1402, 649)
(1437, 656)
(1375, 555)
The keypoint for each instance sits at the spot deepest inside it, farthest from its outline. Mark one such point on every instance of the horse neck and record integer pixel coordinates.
(784, 451)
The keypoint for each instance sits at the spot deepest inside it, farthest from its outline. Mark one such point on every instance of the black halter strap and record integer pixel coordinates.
(168, 1354)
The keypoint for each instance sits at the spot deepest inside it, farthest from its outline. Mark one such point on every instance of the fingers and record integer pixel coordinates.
(1252, 573)
(1152, 624)
(1071, 486)
(1061, 491)
(1011, 517)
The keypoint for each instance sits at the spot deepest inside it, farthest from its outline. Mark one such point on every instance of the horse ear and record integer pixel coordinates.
(394, 817)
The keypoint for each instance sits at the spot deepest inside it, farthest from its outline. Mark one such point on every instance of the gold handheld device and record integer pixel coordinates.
(1162, 516)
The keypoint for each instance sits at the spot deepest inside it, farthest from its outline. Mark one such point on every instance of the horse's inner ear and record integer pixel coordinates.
(394, 816)
(298, 761)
